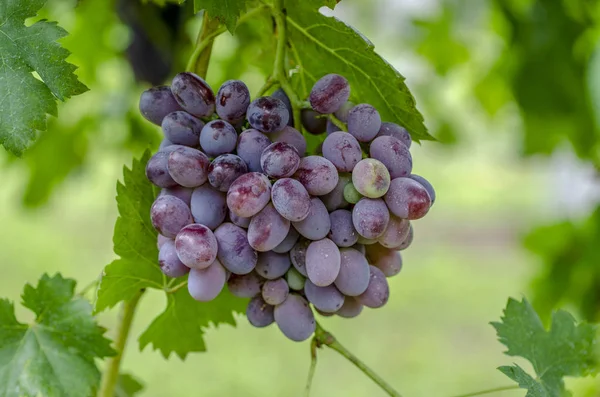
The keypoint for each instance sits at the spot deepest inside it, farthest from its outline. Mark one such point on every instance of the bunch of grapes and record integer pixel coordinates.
(241, 205)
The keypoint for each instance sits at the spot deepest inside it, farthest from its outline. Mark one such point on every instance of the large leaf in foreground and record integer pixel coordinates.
(227, 11)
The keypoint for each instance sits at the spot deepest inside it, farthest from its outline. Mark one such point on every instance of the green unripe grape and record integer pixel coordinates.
(294, 279)
(371, 178)
(366, 241)
(351, 195)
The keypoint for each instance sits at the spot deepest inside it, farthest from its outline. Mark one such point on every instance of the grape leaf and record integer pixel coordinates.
(25, 99)
(54, 355)
(127, 386)
(320, 45)
(227, 11)
(567, 349)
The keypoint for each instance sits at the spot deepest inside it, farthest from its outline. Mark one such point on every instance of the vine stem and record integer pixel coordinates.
(113, 364)
(489, 391)
(325, 338)
(314, 343)
(199, 59)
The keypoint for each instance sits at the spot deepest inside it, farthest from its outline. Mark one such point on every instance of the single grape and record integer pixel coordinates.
(156, 103)
(267, 229)
(182, 128)
(408, 241)
(389, 261)
(245, 285)
(281, 95)
(364, 122)
(407, 198)
(425, 183)
(327, 299)
(225, 169)
(371, 178)
(233, 99)
(298, 255)
(272, 265)
(353, 278)
(360, 248)
(322, 313)
(193, 94)
(313, 122)
(351, 308)
(161, 240)
(342, 113)
(393, 154)
(322, 262)
(343, 150)
(196, 246)
(370, 217)
(234, 253)
(317, 224)
(259, 313)
(288, 243)
(279, 160)
(206, 284)
(395, 233)
(351, 195)
(250, 146)
(294, 279)
(292, 137)
(267, 114)
(318, 175)
(332, 127)
(275, 291)
(391, 129)
(294, 318)
(218, 137)
(208, 206)
(329, 93)
(342, 232)
(238, 220)
(164, 144)
(169, 215)
(188, 167)
(169, 261)
(378, 291)
(249, 194)
(182, 193)
(157, 170)
(290, 199)
(335, 199)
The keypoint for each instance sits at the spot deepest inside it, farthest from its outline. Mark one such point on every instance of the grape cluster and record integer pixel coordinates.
(242, 205)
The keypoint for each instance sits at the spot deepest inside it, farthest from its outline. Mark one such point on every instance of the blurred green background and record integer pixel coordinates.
(511, 88)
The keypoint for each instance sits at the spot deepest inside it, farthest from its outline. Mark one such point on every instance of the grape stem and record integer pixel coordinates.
(338, 123)
(314, 343)
(199, 59)
(176, 288)
(325, 338)
(489, 391)
(110, 375)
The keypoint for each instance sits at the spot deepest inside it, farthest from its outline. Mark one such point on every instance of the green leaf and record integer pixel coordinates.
(227, 11)
(320, 45)
(26, 99)
(567, 349)
(54, 355)
(127, 386)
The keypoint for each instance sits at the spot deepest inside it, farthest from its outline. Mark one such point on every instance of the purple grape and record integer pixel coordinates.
(364, 122)
(331, 128)
(342, 232)
(249, 194)
(196, 246)
(326, 299)
(282, 96)
(239, 221)
(407, 198)
(408, 241)
(193, 94)
(164, 144)
(378, 291)
(267, 114)
(267, 229)
(425, 183)
(370, 217)
(272, 265)
(329, 93)
(182, 193)
(335, 199)
(218, 137)
(318, 175)
(395, 233)
(245, 285)
(322, 262)
(294, 279)
(288, 243)
(233, 99)
(259, 313)
(389, 261)
(371, 178)
(208, 206)
(157, 170)
(343, 150)
(250, 146)
(206, 284)
(182, 128)
(161, 240)
(279, 160)
(290, 199)
(156, 103)
(292, 137)
(393, 154)
(360, 248)
(234, 253)
(225, 169)
(317, 224)
(313, 122)
(294, 318)
(274, 292)
(188, 167)
(351, 308)
(169, 261)
(169, 215)
(298, 255)
(353, 278)
(391, 129)
(342, 113)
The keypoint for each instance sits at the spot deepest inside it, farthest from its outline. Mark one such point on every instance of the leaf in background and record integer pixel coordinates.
(127, 386)
(227, 11)
(164, 2)
(25, 100)
(566, 349)
(54, 355)
(320, 45)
